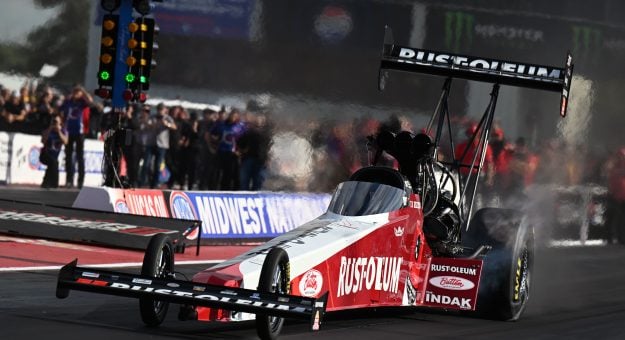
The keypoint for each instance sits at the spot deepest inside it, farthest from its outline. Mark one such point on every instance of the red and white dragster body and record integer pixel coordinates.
(361, 261)
(405, 237)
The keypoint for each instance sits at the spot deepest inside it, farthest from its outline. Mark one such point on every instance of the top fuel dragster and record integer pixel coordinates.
(405, 237)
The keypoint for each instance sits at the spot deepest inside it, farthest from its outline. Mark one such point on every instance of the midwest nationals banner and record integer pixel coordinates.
(247, 214)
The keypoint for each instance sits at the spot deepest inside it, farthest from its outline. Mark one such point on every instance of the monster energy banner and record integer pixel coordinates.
(506, 35)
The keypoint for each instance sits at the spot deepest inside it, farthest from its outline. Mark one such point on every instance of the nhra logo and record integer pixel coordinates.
(181, 207)
(33, 159)
(311, 283)
(121, 207)
(451, 283)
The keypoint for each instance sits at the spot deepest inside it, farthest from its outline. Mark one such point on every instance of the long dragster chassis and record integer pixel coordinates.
(182, 292)
(390, 237)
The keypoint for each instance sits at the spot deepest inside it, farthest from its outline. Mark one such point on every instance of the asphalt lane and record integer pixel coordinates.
(577, 293)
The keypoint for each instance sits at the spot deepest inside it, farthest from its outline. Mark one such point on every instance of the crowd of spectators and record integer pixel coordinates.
(172, 147)
(207, 150)
(229, 148)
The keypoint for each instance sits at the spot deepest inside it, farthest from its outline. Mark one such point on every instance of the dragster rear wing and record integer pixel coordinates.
(402, 58)
(171, 290)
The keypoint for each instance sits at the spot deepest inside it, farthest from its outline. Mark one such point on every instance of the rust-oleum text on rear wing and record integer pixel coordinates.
(410, 59)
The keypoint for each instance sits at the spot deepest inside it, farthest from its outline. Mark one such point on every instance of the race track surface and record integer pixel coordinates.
(578, 293)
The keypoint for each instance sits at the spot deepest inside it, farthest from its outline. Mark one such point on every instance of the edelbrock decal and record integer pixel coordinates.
(311, 283)
(453, 269)
(462, 303)
(451, 283)
(373, 273)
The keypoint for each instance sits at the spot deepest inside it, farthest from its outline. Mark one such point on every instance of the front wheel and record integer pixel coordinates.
(158, 262)
(274, 278)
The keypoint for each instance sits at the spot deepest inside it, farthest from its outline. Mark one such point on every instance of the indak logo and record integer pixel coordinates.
(311, 283)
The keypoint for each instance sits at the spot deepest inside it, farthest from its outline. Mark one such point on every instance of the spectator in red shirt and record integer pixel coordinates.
(466, 151)
(503, 154)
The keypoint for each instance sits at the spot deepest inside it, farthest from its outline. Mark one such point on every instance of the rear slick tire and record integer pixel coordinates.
(274, 278)
(506, 271)
(158, 262)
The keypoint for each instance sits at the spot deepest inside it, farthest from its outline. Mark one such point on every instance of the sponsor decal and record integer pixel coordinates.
(459, 302)
(255, 215)
(146, 202)
(458, 30)
(33, 158)
(586, 41)
(333, 24)
(74, 223)
(199, 288)
(121, 207)
(89, 274)
(453, 269)
(311, 283)
(142, 281)
(461, 28)
(228, 292)
(372, 273)
(517, 280)
(451, 283)
(91, 282)
(416, 56)
(283, 299)
(399, 231)
(181, 206)
(415, 204)
(173, 285)
(208, 297)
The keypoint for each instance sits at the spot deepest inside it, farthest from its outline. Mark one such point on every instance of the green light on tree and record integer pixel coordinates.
(130, 78)
(105, 75)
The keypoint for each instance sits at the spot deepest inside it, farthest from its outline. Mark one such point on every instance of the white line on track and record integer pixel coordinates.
(107, 265)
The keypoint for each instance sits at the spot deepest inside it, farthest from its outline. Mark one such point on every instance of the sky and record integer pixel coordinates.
(18, 17)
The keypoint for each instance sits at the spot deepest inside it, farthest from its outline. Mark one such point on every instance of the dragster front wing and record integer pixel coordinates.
(171, 290)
